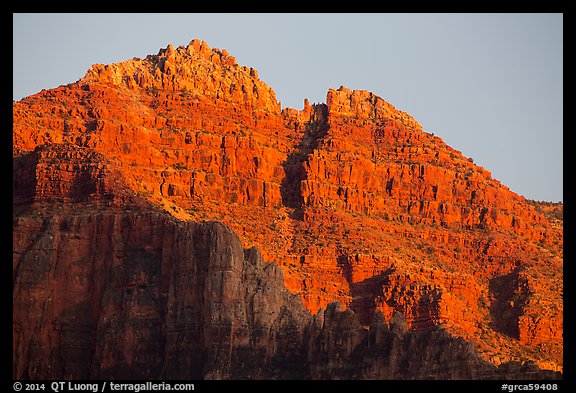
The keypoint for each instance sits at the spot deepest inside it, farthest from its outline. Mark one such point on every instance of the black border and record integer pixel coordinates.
(397, 6)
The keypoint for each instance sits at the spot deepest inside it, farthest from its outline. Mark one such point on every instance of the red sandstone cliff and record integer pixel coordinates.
(108, 286)
(352, 199)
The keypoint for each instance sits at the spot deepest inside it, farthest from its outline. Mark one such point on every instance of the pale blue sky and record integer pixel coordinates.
(491, 85)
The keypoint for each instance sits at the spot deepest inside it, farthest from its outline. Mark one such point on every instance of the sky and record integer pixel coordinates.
(490, 84)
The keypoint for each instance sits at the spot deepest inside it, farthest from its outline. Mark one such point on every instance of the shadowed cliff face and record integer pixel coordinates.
(351, 199)
(140, 295)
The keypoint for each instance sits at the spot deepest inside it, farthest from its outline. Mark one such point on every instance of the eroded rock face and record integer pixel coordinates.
(140, 295)
(351, 198)
(155, 298)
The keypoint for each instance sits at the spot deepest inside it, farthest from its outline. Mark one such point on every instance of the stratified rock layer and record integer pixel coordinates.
(351, 198)
(101, 292)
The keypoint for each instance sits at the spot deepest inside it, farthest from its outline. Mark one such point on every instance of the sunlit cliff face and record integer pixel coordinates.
(351, 198)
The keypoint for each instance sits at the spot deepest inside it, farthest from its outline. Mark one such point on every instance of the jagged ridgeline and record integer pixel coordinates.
(347, 201)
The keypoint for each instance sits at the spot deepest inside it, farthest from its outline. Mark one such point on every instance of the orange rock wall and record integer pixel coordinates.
(351, 198)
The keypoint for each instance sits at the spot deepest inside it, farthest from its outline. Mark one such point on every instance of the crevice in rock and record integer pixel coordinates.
(509, 296)
(294, 165)
(24, 180)
(364, 294)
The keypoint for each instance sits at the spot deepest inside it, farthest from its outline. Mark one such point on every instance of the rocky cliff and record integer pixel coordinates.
(126, 291)
(351, 199)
